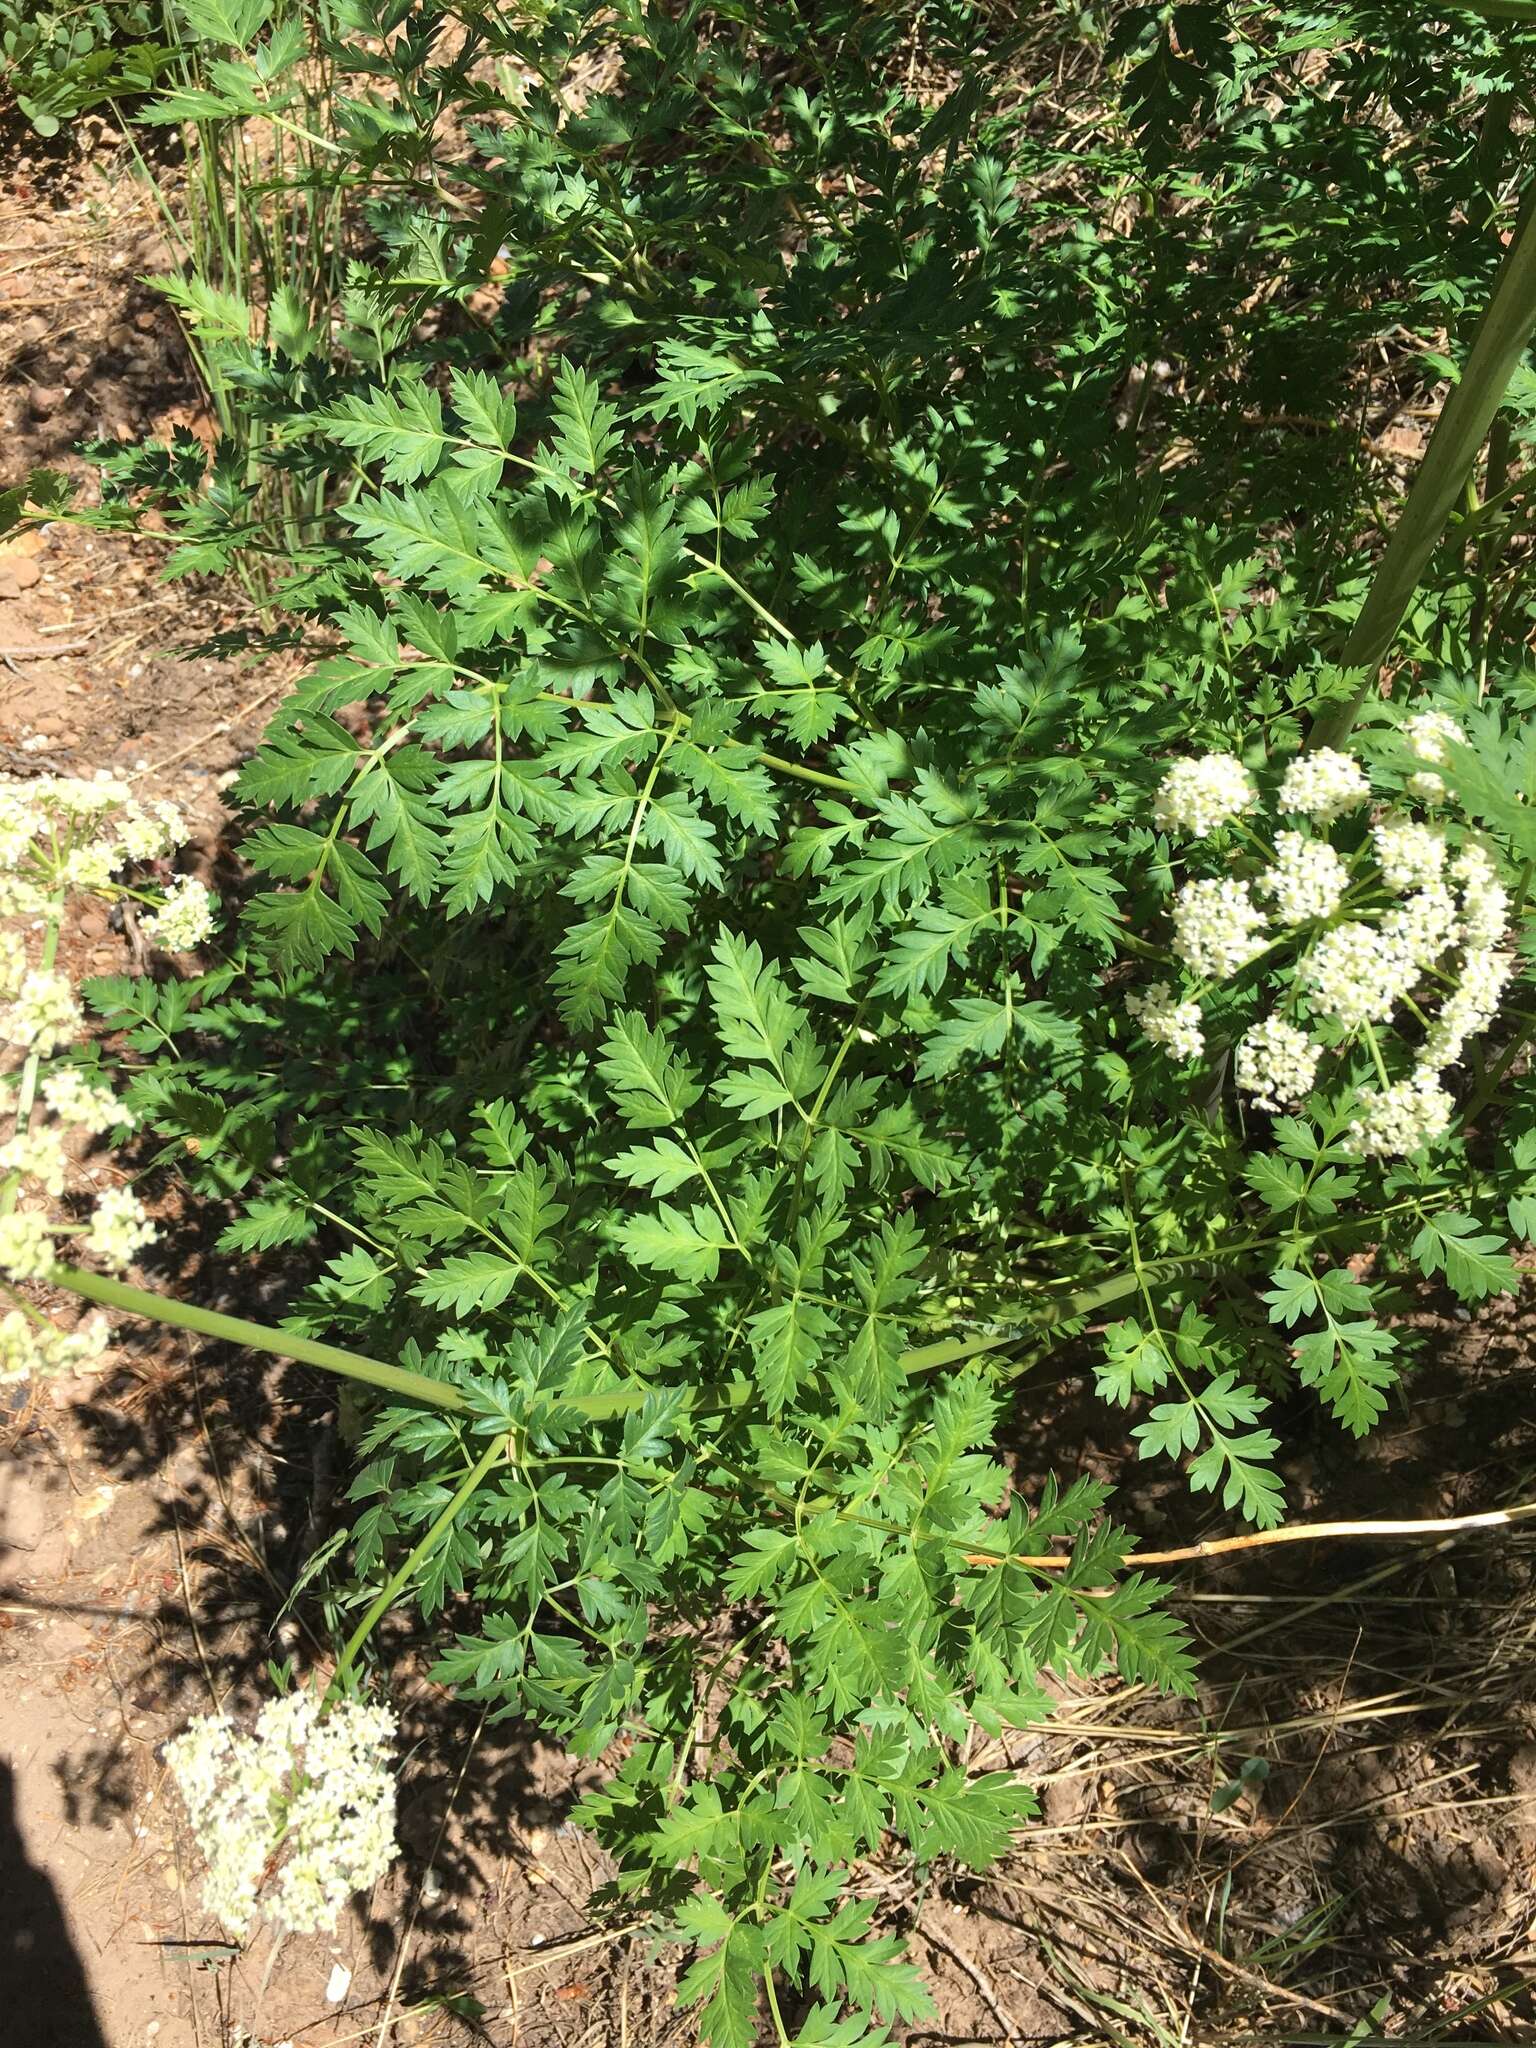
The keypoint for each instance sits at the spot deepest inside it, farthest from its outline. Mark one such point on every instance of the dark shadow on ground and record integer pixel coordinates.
(43, 1989)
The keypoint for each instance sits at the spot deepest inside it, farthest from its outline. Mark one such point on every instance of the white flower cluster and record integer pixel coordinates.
(1277, 1064)
(1402, 1118)
(1410, 855)
(1324, 785)
(1217, 928)
(83, 1104)
(60, 834)
(33, 1348)
(33, 1166)
(294, 1817)
(1307, 881)
(120, 1227)
(1357, 975)
(1171, 1024)
(1197, 795)
(1437, 946)
(13, 963)
(1428, 734)
(184, 919)
(1471, 1007)
(36, 1155)
(44, 1015)
(26, 1245)
(1484, 899)
(66, 831)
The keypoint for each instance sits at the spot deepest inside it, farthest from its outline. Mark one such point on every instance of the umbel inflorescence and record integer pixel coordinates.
(293, 1817)
(61, 838)
(1368, 929)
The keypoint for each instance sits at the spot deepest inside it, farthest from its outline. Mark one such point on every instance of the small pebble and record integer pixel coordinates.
(17, 573)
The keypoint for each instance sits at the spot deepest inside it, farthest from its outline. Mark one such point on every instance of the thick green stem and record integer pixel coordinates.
(208, 1322)
(600, 1407)
(499, 1447)
(1459, 433)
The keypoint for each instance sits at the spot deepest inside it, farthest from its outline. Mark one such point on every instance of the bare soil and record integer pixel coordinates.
(1377, 1868)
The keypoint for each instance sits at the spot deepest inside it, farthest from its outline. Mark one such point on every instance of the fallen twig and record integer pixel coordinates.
(1298, 1532)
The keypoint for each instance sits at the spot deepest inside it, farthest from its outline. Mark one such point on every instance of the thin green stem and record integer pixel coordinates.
(1375, 1049)
(395, 1585)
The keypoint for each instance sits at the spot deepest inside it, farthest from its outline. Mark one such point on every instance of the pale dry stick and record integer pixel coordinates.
(236, 717)
(279, 1936)
(514, 2002)
(1331, 1722)
(1198, 1970)
(387, 2019)
(1378, 1707)
(1061, 1905)
(197, 1634)
(559, 1954)
(1349, 1814)
(49, 255)
(43, 653)
(1182, 1933)
(977, 1975)
(1297, 1532)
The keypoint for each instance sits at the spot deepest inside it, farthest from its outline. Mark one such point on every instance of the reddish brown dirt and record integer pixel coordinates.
(154, 1519)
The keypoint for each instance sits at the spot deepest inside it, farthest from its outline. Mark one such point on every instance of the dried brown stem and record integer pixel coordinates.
(1300, 1532)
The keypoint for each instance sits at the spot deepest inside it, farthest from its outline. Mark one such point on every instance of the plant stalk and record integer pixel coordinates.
(1460, 431)
(499, 1447)
(208, 1322)
(417, 1386)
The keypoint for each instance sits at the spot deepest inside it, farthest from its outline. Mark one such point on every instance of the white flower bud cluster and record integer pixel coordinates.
(64, 832)
(1199, 794)
(1307, 881)
(120, 1227)
(35, 1349)
(1470, 1007)
(26, 1245)
(83, 1104)
(1484, 899)
(1171, 1024)
(294, 1817)
(33, 1167)
(1420, 929)
(1428, 734)
(1410, 855)
(1277, 1064)
(1355, 975)
(1447, 927)
(44, 1015)
(184, 919)
(1324, 785)
(13, 964)
(1217, 928)
(60, 834)
(36, 1155)
(1402, 1119)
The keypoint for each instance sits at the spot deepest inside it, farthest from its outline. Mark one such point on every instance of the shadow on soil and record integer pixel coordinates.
(42, 1981)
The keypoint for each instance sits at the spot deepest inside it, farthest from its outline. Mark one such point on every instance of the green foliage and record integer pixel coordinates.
(681, 1002)
(61, 61)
